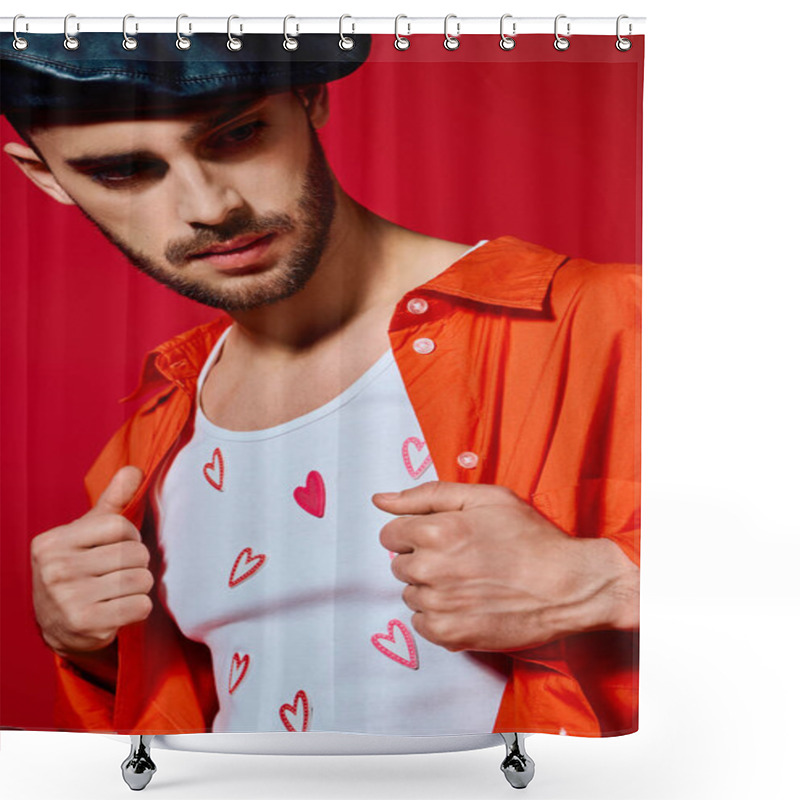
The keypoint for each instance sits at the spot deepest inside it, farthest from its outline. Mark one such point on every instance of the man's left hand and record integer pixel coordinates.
(485, 571)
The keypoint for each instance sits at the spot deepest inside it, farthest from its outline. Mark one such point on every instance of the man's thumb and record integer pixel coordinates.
(119, 492)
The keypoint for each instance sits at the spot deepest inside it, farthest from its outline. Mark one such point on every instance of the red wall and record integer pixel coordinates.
(469, 144)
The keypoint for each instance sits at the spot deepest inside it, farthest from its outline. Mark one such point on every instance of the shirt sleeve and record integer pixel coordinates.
(592, 486)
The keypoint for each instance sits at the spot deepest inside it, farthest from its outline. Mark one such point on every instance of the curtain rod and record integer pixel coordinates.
(513, 26)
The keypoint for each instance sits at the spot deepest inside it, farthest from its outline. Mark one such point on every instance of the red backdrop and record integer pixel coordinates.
(465, 145)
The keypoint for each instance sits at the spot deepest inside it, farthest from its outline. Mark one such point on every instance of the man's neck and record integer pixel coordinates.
(368, 264)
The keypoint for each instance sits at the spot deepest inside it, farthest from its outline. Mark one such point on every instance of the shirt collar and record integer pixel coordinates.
(503, 272)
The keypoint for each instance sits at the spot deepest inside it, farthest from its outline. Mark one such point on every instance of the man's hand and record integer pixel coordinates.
(90, 577)
(488, 572)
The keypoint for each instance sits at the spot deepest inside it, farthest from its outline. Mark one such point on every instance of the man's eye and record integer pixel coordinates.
(123, 174)
(241, 135)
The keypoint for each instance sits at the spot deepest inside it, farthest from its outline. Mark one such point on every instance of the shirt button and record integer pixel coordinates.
(424, 346)
(468, 460)
(417, 305)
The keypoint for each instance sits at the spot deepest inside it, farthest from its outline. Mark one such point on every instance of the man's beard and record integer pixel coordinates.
(317, 204)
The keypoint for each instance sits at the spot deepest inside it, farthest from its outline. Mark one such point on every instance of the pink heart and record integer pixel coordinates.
(239, 666)
(213, 468)
(246, 554)
(291, 708)
(311, 497)
(426, 462)
(405, 655)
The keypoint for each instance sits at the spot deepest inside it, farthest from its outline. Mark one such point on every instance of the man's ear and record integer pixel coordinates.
(36, 169)
(314, 98)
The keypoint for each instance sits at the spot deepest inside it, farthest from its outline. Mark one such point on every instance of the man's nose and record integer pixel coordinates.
(204, 197)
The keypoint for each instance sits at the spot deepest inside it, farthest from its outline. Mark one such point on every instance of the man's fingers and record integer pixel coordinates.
(123, 583)
(106, 559)
(105, 529)
(113, 614)
(119, 492)
(434, 496)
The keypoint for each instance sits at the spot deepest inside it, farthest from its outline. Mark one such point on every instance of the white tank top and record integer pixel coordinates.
(272, 559)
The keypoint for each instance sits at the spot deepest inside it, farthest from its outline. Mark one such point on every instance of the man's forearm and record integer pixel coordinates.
(609, 596)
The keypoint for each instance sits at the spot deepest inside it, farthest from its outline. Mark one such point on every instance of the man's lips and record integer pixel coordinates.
(238, 256)
(232, 245)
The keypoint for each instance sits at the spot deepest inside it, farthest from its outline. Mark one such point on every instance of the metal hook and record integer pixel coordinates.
(451, 42)
(623, 44)
(70, 42)
(182, 43)
(288, 42)
(128, 42)
(506, 42)
(345, 42)
(19, 42)
(400, 42)
(233, 43)
(561, 43)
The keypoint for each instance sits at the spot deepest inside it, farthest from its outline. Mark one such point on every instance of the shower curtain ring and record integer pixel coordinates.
(19, 42)
(70, 42)
(288, 42)
(128, 42)
(345, 42)
(623, 44)
(233, 43)
(451, 42)
(400, 42)
(506, 42)
(561, 43)
(182, 43)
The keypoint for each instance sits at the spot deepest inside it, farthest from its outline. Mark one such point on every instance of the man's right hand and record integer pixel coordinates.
(90, 577)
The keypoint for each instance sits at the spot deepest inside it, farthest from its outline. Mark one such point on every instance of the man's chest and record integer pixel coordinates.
(242, 394)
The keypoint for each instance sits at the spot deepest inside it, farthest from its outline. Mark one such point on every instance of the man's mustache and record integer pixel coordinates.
(179, 252)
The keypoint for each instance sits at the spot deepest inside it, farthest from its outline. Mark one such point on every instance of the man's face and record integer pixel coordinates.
(231, 208)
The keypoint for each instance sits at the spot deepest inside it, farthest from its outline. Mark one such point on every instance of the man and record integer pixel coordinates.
(399, 473)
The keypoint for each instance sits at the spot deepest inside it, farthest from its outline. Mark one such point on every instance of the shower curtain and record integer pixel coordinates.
(407, 501)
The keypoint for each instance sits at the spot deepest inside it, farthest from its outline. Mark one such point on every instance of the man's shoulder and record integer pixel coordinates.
(180, 357)
(515, 273)
(198, 340)
(580, 281)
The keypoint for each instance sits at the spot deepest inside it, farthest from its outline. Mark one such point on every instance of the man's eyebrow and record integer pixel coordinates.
(233, 110)
(108, 159)
(198, 129)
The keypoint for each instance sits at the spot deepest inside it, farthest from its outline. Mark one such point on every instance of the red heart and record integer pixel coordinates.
(216, 465)
(407, 655)
(289, 707)
(311, 497)
(415, 472)
(247, 554)
(242, 664)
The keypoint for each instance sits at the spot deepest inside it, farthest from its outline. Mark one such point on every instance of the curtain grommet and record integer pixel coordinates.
(129, 42)
(451, 42)
(400, 42)
(507, 42)
(289, 43)
(560, 42)
(70, 42)
(345, 42)
(19, 43)
(622, 44)
(182, 43)
(233, 44)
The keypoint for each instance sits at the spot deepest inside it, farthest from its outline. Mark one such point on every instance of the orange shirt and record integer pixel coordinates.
(536, 370)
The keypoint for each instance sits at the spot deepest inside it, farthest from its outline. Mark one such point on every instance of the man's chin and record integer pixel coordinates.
(246, 292)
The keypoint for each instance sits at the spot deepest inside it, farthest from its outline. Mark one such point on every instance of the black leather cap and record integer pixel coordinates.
(47, 82)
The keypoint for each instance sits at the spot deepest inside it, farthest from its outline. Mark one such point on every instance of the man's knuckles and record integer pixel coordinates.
(440, 629)
(427, 600)
(108, 527)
